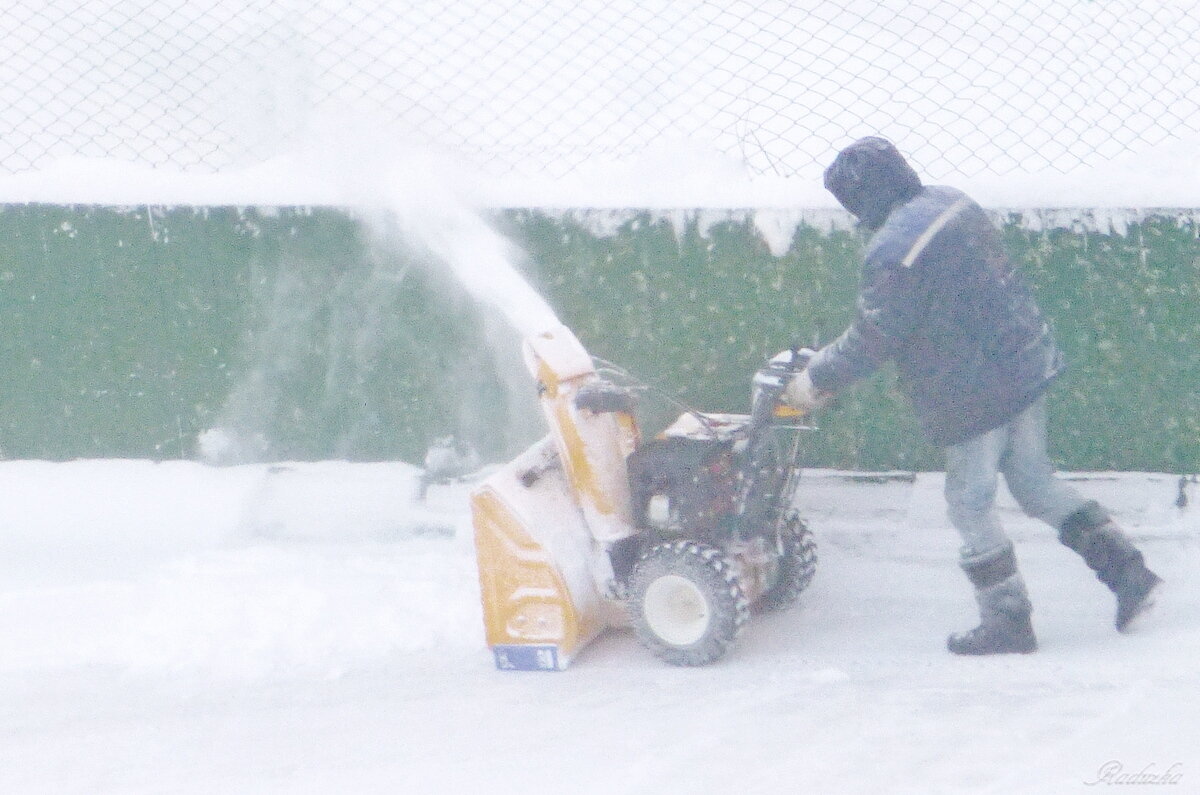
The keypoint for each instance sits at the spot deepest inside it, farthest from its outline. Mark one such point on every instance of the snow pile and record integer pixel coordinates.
(242, 572)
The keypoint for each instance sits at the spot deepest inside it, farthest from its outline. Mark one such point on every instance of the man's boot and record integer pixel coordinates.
(1004, 607)
(1092, 533)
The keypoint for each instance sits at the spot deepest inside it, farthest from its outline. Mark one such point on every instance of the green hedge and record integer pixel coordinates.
(130, 331)
(306, 333)
(696, 313)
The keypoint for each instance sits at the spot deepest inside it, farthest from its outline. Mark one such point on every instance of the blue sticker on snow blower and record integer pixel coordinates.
(526, 658)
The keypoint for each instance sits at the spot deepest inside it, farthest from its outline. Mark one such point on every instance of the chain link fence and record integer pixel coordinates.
(542, 86)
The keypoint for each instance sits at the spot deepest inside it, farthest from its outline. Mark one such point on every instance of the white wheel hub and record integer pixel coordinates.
(676, 610)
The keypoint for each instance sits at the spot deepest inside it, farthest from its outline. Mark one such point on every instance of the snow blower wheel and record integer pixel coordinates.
(686, 602)
(797, 565)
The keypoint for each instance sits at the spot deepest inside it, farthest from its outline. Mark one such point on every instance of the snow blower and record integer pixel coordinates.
(679, 536)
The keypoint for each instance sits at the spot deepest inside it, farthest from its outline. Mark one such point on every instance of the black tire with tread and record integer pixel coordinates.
(797, 566)
(709, 570)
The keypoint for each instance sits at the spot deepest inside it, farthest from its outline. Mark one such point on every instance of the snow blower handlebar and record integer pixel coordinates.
(763, 458)
(770, 382)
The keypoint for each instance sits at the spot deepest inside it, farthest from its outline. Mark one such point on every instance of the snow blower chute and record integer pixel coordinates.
(679, 536)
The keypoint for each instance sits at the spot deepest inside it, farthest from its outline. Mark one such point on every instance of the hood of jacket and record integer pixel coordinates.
(870, 178)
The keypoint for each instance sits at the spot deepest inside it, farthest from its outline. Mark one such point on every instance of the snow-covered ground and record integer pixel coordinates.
(176, 627)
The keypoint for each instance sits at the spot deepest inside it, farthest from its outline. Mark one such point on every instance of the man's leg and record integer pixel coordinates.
(987, 555)
(971, 475)
(1030, 474)
(1084, 526)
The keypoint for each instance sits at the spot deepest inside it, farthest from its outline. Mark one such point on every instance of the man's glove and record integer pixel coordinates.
(779, 371)
(801, 395)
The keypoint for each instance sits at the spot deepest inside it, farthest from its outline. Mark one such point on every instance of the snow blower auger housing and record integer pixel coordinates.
(679, 536)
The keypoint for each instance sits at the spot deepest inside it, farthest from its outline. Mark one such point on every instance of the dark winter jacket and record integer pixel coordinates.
(940, 298)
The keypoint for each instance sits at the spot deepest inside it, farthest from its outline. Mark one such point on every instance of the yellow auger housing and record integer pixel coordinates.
(543, 522)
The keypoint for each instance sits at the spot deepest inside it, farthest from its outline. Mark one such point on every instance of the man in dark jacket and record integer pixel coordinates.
(940, 297)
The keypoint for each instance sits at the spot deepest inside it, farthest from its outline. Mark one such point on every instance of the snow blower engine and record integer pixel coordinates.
(679, 536)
